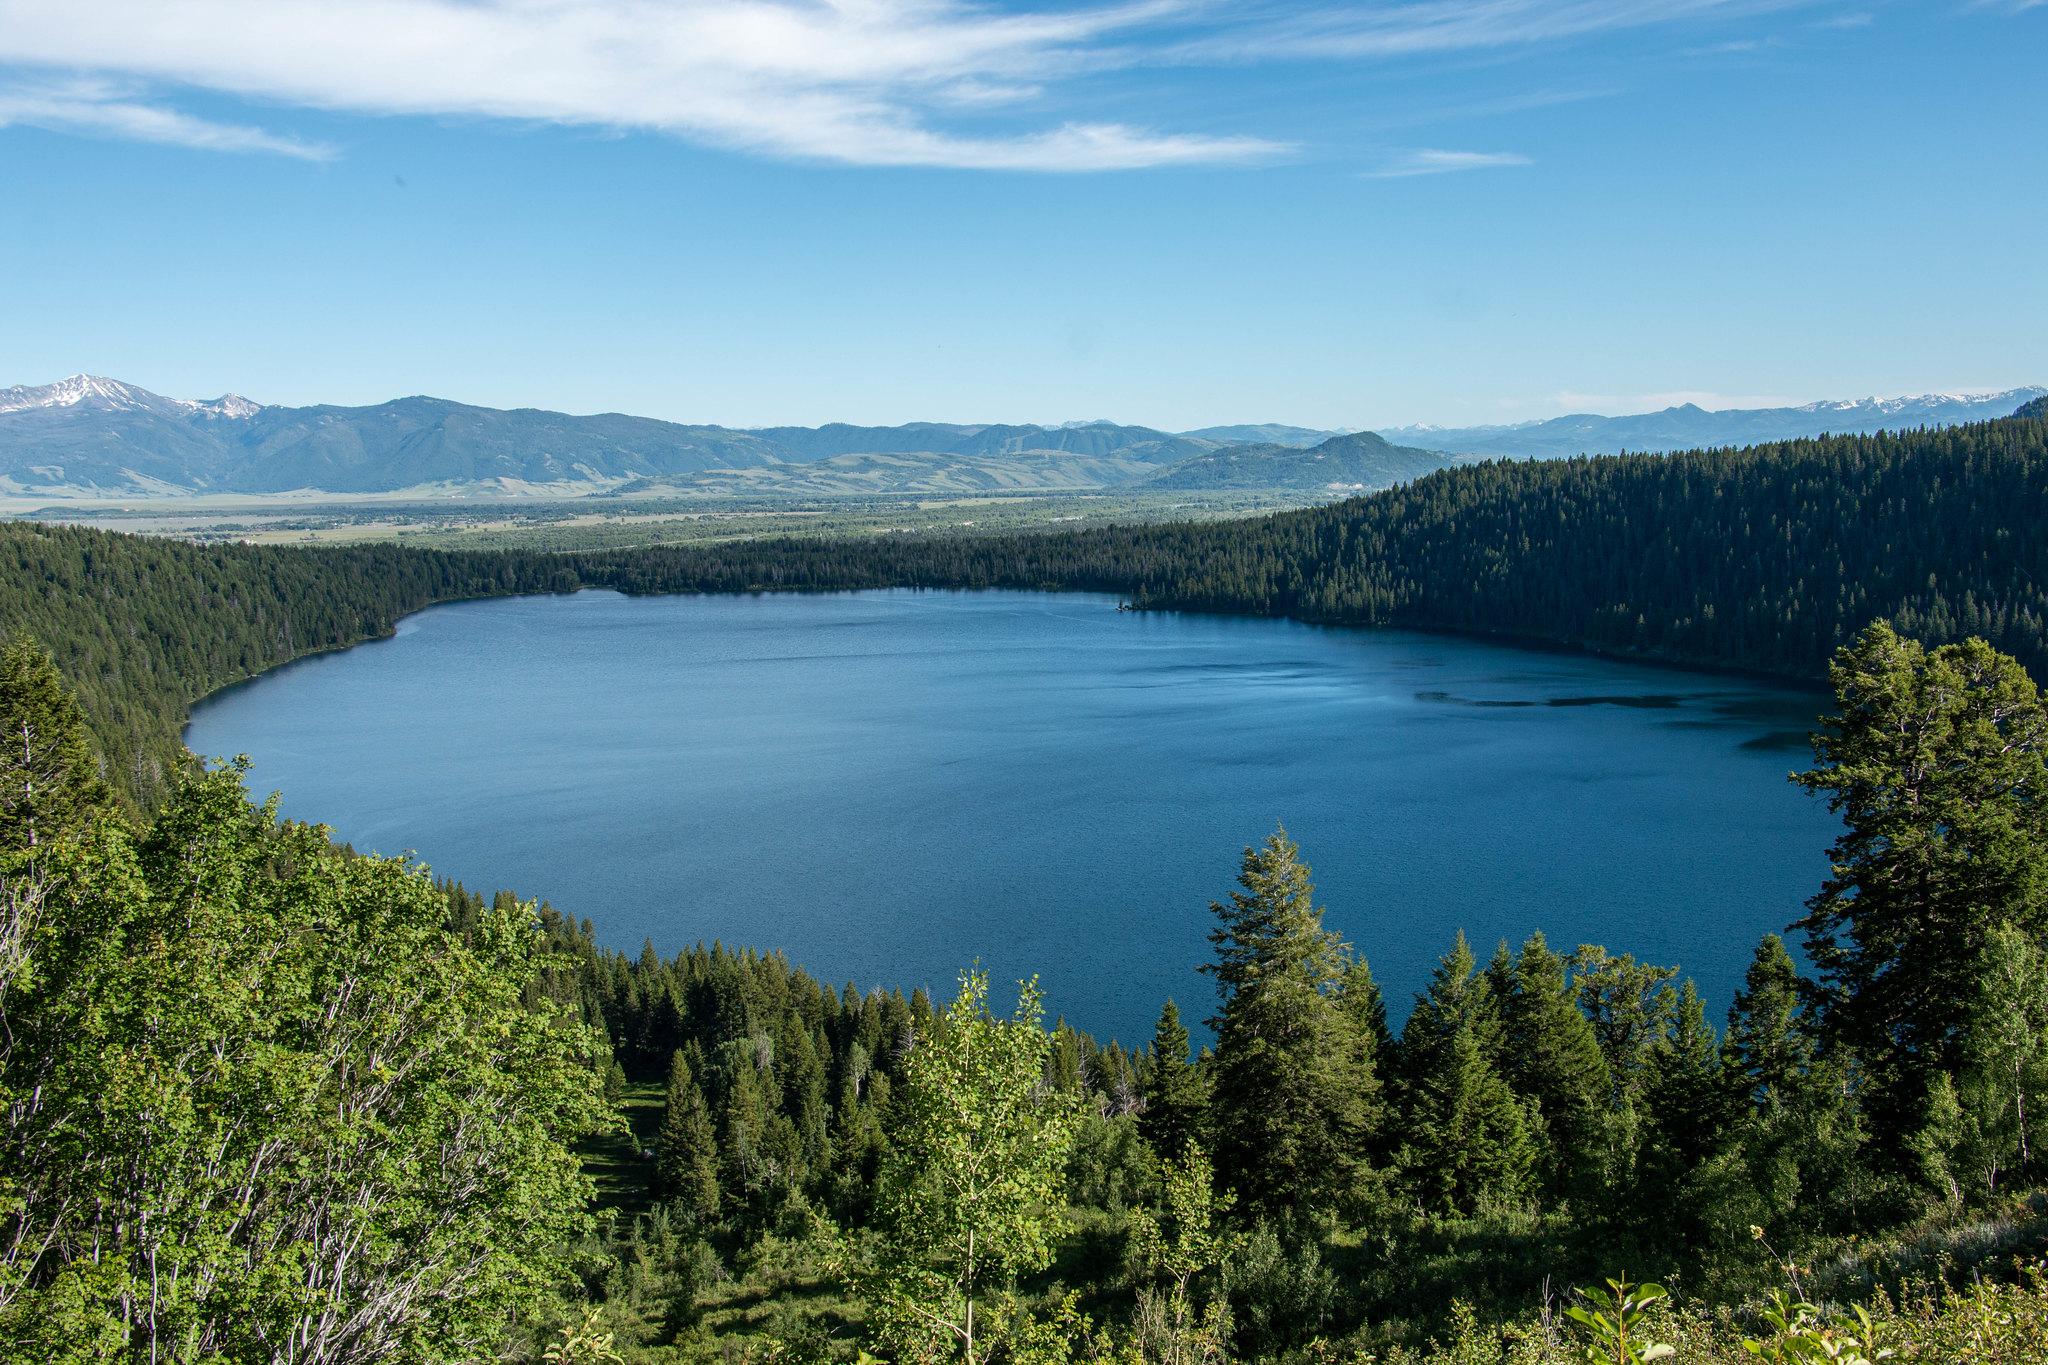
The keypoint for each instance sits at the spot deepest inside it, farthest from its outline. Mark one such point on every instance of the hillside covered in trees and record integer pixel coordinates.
(1762, 559)
(261, 1099)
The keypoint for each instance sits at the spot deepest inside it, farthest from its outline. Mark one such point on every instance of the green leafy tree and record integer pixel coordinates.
(2003, 1088)
(1288, 1108)
(1186, 1239)
(295, 1114)
(970, 1195)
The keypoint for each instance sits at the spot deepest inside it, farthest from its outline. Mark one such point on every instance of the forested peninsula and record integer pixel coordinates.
(1763, 559)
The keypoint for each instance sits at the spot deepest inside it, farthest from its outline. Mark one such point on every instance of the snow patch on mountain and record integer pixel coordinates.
(111, 395)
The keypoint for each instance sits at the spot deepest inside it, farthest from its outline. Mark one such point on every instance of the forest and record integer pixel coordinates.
(264, 1099)
(1763, 559)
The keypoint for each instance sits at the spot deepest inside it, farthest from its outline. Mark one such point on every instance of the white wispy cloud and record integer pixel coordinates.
(1445, 26)
(1435, 161)
(959, 83)
(109, 110)
(839, 80)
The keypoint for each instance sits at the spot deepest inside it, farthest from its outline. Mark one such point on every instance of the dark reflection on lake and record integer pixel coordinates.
(890, 785)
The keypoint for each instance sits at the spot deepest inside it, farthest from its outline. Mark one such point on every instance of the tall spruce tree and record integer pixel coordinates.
(686, 1152)
(1288, 1103)
(1175, 1096)
(1466, 1145)
(1690, 1172)
(1553, 1060)
(1767, 1050)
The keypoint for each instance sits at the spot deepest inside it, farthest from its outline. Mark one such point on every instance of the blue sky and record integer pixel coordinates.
(1175, 212)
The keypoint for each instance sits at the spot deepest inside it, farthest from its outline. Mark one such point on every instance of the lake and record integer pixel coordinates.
(891, 785)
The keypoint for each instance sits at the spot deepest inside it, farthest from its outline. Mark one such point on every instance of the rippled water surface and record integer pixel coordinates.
(890, 785)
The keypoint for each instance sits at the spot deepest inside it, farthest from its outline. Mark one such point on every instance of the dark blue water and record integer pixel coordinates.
(891, 785)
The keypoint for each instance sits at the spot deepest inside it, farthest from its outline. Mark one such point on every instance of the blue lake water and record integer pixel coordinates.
(891, 785)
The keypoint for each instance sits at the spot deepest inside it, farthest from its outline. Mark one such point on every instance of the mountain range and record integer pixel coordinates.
(92, 436)
(1691, 427)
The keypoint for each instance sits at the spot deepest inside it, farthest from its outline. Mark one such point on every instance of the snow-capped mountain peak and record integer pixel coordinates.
(231, 406)
(111, 395)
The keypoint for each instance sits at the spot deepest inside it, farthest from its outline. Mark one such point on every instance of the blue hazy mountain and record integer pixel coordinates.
(1690, 427)
(91, 435)
(1355, 463)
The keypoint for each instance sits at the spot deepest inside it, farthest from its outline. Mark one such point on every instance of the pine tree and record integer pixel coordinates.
(686, 1152)
(49, 780)
(1467, 1147)
(1287, 1108)
(1690, 1175)
(1175, 1096)
(1553, 1061)
(1936, 765)
(1767, 1050)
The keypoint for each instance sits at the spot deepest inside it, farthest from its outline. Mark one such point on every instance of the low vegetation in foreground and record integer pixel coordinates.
(263, 1099)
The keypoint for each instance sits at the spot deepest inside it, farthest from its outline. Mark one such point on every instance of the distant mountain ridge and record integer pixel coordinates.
(1691, 427)
(93, 436)
(1357, 462)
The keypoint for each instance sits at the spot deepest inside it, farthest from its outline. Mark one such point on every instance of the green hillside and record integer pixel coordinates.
(1763, 559)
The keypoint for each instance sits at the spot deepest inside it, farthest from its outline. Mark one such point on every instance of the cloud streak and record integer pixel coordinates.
(100, 109)
(1434, 161)
(955, 83)
(857, 81)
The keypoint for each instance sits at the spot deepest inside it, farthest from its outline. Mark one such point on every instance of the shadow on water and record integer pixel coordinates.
(1655, 701)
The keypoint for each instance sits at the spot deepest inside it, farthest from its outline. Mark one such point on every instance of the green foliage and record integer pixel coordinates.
(1184, 1241)
(969, 1196)
(49, 778)
(1935, 763)
(1291, 1099)
(1176, 1094)
(1467, 1147)
(2003, 1087)
(263, 1100)
(1551, 1057)
(1615, 1322)
(686, 1153)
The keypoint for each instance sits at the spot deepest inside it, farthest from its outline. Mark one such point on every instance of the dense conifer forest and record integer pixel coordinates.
(1762, 559)
(262, 1099)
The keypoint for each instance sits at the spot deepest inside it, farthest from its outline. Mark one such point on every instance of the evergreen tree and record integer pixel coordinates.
(1553, 1061)
(1935, 764)
(686, 1152)
(1629, 1004)
(49, 780)
(1466, 1145)
(1767, 1049)
(1287, 1108)
(1692, 1181)
(1175, 1096)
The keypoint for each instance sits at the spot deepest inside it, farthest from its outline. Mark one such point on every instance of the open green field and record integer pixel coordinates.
(625, 523)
